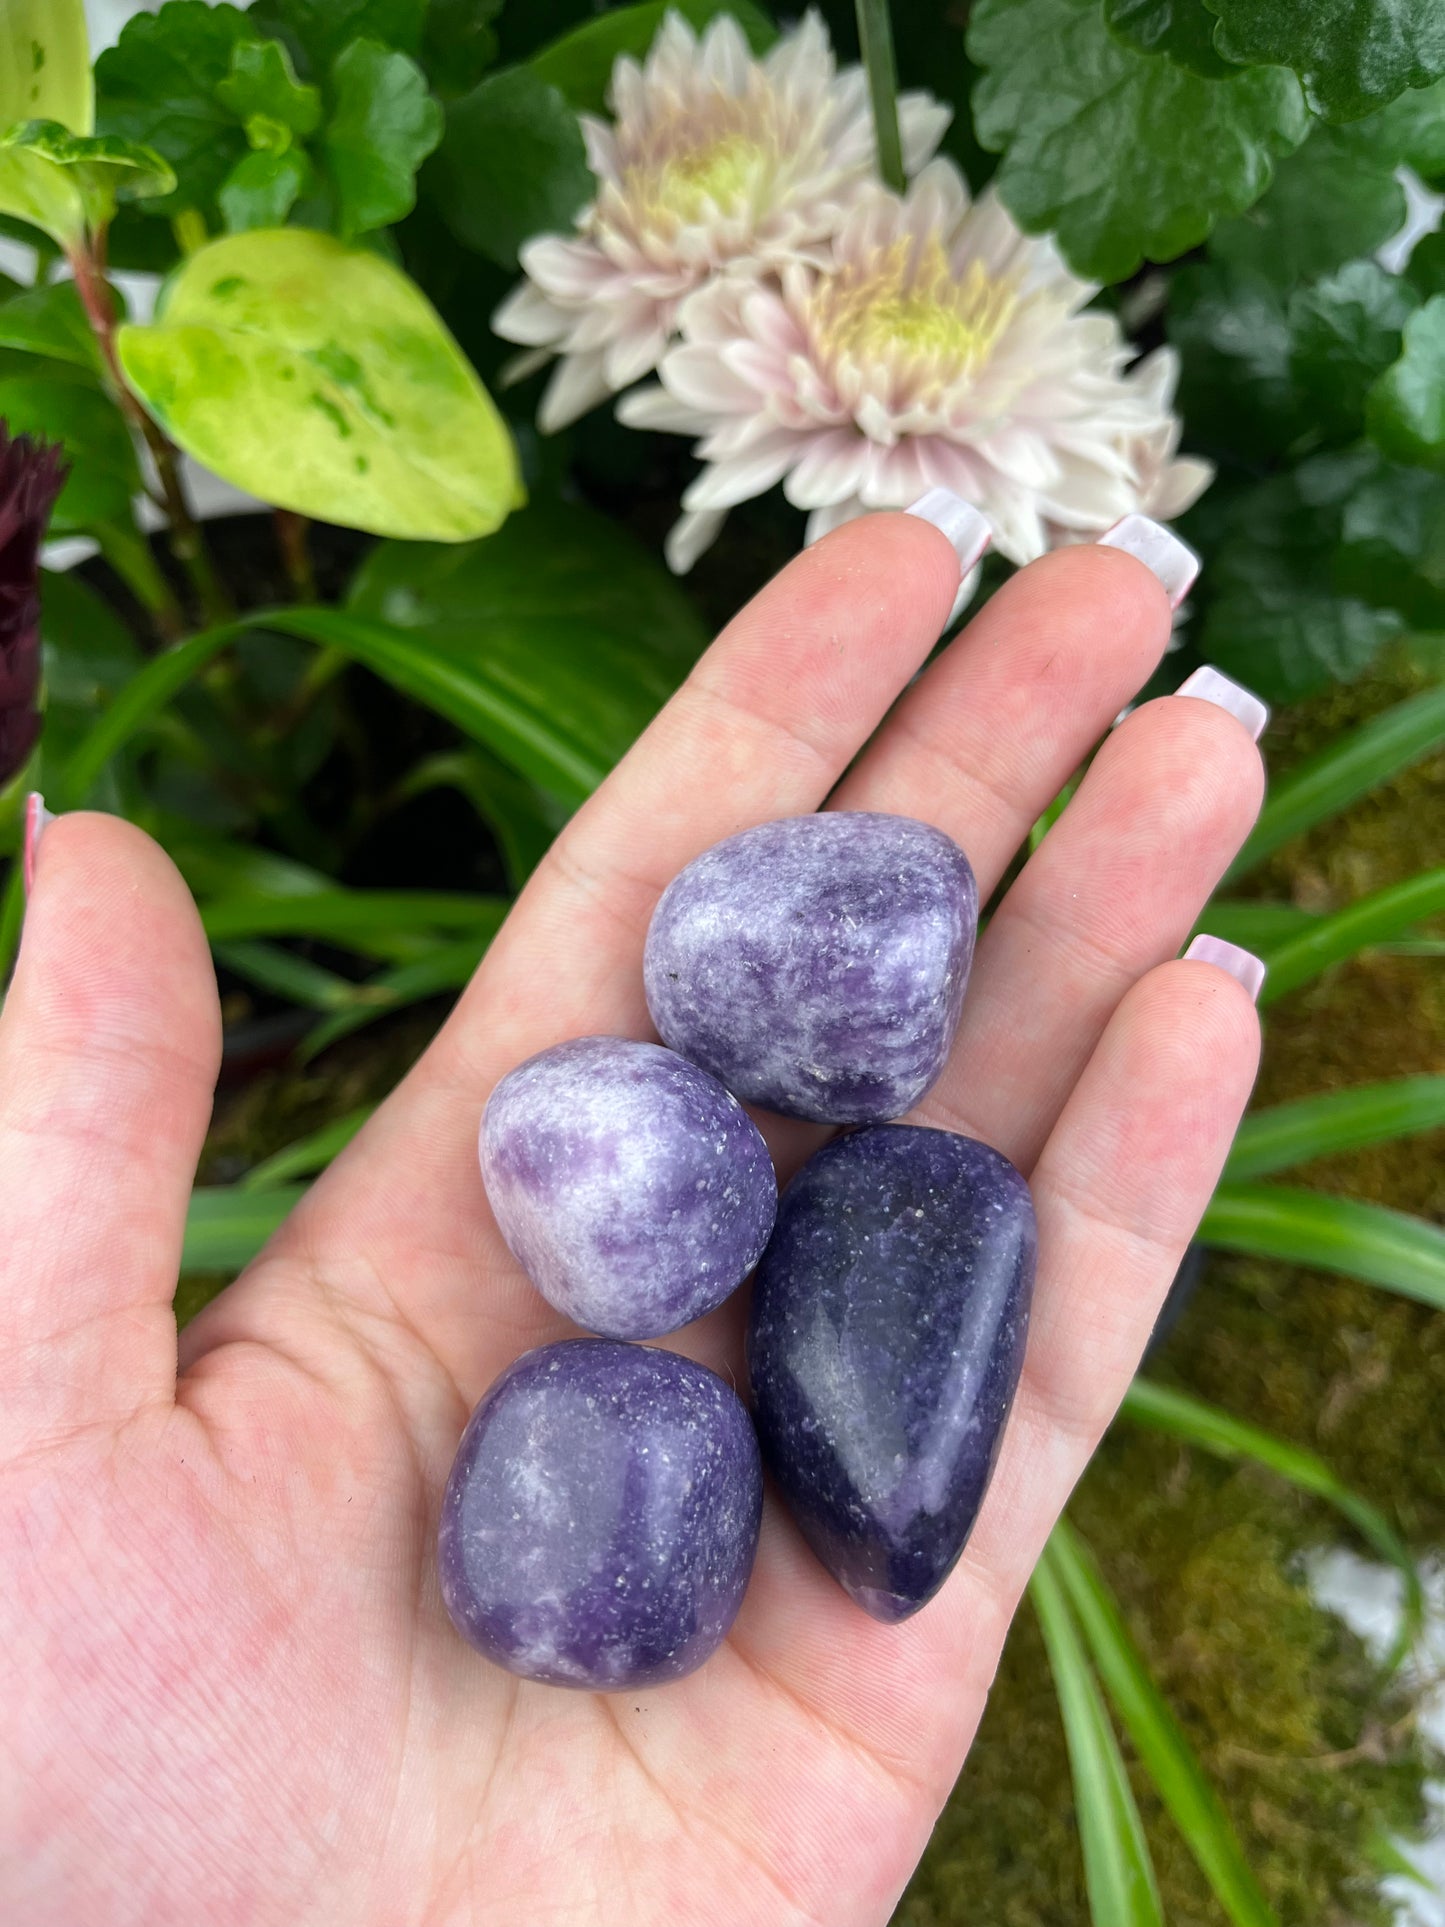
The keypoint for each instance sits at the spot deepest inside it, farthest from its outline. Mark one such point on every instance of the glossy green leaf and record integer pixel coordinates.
(1255, 924)
(1126, 156)
(459, 45)
(1352, 55)
(263, 93)
(579, 63)
(49, 320)
(447, 967)
(1214, 1430)
(89, 656)
(554, 642)
(1406, 410)
(1367, 1241)
(45, 64)
(1182, 29)
(1314, 1127)
(1392, 543)
(1353, 764)
(1375, 919)
(1328, 203)
(524, 819)
(320, 378)
(1410, 132)
(226, 1226)
(307, 1155)
(286, 975)
(1157, 1737)
(339, 915)
(103, 168)
(59, 402)
(320, 29)
(383, 125)
(262, 188)
(1236, 390)
(513, 164)
(1118, 1870)
(1347, 330)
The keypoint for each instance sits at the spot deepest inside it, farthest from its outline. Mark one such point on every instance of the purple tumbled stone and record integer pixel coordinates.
(601, 1517)
(817, 965)
(887, 1335)
(635, 1191)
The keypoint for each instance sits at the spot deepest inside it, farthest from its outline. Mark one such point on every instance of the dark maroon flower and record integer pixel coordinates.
(32, 474)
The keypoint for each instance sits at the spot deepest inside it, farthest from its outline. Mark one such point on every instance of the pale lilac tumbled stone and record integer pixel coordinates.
(635, 1191)
(817, 965)
(601, 1517)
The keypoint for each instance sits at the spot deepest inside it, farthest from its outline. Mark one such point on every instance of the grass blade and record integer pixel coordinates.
(1374, 919)
(296, 978)
(1383, 1247)
(307, 1155)
(1257, 926)
(349, 917)
(1314, 1127)
(1219, 1432)
(1352, 765)
(448, 967)
(1157, 1737)
(226, 1226)
(1118, 1870)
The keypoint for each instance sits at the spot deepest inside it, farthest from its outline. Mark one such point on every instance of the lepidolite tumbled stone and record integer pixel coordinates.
(817, 965)
(887, 1334)
(600, 1520)
(635, 1191)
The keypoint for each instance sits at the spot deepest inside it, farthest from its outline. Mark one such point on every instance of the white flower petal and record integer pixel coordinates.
(577, 385)
(654, 408)
(689, 535)
(830, 471)
(528, 316)
(823, 521)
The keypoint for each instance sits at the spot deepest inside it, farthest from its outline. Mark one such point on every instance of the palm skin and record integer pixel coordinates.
(228, 1690)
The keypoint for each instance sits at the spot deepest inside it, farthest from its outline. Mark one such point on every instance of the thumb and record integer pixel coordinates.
(109, 1047)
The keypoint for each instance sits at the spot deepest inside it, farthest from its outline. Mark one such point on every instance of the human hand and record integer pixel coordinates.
(229, 1693)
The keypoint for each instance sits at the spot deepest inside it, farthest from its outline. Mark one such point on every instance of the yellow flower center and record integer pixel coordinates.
(722, 174)
(909, 306)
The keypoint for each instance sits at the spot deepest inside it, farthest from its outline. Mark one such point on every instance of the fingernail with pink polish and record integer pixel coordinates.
(1159, 549)
(1242, 965)
(37, 817)
(968, 530)
(1212, 686)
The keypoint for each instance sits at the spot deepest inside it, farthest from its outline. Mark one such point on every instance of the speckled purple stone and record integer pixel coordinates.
(636, 1192)
(601, 1517)
(817, 965)
(887, 1336)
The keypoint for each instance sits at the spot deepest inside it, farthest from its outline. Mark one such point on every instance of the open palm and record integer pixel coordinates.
(229, 1692)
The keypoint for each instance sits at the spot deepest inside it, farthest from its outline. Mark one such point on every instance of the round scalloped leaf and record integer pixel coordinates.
(1181, 29)
(1352, 55)
(320, 378)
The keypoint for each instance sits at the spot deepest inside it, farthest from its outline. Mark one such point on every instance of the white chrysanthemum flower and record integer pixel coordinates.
(939, 347)
(714, 158)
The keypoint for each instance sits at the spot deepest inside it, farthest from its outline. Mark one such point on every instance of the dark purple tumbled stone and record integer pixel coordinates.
(817, 965)
(600, 1520)
(887, 1335)
(635, 1191)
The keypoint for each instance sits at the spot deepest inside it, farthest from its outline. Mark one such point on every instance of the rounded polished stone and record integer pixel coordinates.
(887, 1335)
(600, 1520)
(635, 1191)
(817, 965)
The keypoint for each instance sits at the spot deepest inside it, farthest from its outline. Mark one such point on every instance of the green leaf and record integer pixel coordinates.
(1315, 1127)
(459, 44)
(1158, 1739)
(1118, 1872)
(1347, 330)
(103, 168)
(1388, 1248)
(383, 125)
(447, 967)
(1426, 266)
(1330, 940)
(226, 1226)
(1409, 132)
(1128, 157)
(579, 63)
(58, 401)
(320, 29)
(524, 819)
(262, 91)
(1219, 1432)
(1406, 409)
(1329, 203)
(158, 85)
(1392, 543)
(295, 978)
(1182, 29)
(1236, 390)
(261, 190)
(1351, 55)
(49, 320)
(1255, 925)
(343, 916)
(89, 656)
(320, 378)
(554, 642)
(307, 1155)
(512, 164)
(45, 64)
(1348, 769)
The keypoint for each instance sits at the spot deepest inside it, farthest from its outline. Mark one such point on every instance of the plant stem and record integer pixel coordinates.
(291, 539)
(186, 541)
(875, 37)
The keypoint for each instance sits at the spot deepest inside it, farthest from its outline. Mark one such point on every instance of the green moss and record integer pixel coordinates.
(1312, 1750)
